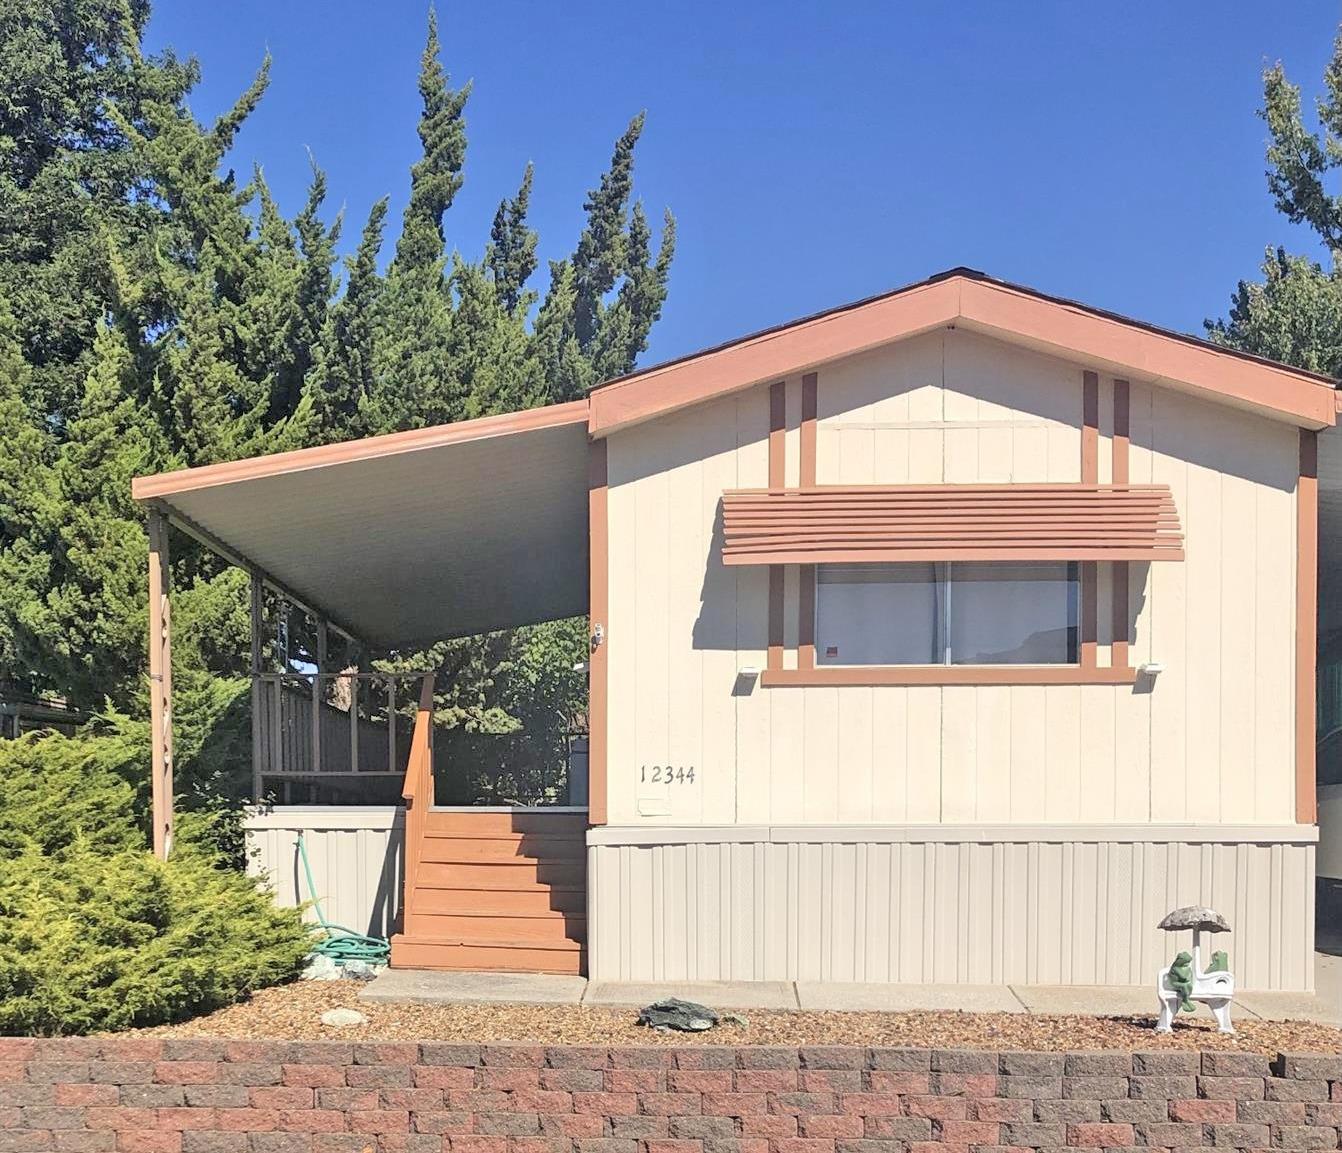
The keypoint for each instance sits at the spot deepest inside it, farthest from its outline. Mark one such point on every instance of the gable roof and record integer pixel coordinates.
(964, 297)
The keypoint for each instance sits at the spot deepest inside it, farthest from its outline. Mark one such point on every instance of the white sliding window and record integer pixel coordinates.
(950, 613)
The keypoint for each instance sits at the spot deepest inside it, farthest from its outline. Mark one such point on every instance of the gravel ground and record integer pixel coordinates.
(292, 1012)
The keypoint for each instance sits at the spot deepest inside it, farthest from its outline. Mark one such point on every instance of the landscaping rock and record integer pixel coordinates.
(343, 1017)
(680, 1016)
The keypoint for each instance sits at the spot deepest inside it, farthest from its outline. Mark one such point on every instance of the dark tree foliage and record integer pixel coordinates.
(1294, 313)
(159, 311)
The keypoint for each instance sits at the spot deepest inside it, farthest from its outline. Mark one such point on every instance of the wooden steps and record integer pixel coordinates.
(496, 891)
(426, 953)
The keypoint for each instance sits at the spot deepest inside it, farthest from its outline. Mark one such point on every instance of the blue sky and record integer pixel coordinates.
(812, 153)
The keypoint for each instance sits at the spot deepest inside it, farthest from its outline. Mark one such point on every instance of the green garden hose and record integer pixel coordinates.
(341, 944)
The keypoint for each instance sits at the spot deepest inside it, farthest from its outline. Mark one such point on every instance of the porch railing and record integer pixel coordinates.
(312, 728)
(418, 789)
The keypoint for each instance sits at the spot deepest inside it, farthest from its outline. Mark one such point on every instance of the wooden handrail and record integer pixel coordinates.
(418, 790)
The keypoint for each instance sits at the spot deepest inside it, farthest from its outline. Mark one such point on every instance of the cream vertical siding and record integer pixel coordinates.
(356, 853)
(1210, 740)
(1038, 906)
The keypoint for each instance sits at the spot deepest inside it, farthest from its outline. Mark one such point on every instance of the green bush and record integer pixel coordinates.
(97, 934)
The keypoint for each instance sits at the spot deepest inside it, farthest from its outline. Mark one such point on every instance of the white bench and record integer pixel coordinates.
(1215, 990)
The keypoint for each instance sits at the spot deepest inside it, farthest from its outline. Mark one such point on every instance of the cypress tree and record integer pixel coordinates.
(169, 314)
(1294, 313)
(417, 383)
(436, 177)
(511, 255)
(600, 255)
(316, 283)
(75, 585)
(69, 176)
(342, 374)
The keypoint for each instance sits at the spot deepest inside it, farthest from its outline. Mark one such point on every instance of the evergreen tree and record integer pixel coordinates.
(68, 176)
(588, 330)
(169, 315)
(315, 286)
(81, 540)
(1294, 313)
(436, 178)
(342, 374)
(416, 380)
(25, 486)
(600, 256)
(511, 255)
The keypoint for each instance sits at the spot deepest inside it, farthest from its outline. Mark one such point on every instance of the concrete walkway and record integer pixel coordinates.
(1324, 1006)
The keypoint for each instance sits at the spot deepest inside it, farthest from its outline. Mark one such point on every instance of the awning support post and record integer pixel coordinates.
(320, 657)
(258, 700)
(160, 683)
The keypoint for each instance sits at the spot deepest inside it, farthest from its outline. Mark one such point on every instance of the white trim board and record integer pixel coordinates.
(952, 834)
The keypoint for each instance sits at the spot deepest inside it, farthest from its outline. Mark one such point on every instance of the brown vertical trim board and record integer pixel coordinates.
(776, 602)
(599, 602)
(1089, 613)
(1122, 430)
(160, 683)
(778, 434)
(1306, 625)
(807, 476)
(1090, 474)
(808, 414)
(1122, 470)
(806, 625)
(777, 479)
(1090, 428)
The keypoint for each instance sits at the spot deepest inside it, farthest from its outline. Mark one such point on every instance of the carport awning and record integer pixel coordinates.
(408, 538)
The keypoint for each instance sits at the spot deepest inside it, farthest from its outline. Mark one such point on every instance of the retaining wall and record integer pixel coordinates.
(208, 1096)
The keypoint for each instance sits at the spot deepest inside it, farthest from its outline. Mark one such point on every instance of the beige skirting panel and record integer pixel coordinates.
(356, 852)
(909, 905)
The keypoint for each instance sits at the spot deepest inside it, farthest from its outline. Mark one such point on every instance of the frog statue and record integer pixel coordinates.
(1182, 984)
(1179, 979)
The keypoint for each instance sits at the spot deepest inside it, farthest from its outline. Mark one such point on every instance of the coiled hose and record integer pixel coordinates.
(341, 944)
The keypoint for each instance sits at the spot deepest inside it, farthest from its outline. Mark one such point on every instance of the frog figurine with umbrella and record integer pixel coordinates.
(1183, 983)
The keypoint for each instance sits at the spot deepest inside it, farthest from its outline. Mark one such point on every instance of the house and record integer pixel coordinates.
(954, 635)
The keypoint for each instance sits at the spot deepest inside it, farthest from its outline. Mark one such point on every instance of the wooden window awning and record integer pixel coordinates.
(948, 522)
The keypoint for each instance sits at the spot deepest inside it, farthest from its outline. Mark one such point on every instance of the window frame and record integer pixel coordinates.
(808, 672)
(943, 583)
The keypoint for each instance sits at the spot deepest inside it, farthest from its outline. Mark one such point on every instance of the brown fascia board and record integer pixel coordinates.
(164, 485)
(969, 298)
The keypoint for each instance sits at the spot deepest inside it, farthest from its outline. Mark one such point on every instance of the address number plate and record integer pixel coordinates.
(666, 774)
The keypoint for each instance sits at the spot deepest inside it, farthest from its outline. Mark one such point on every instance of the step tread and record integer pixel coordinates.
(447, 875)
(559, 945)
(514, 931)
(497, 885)
(499, 902)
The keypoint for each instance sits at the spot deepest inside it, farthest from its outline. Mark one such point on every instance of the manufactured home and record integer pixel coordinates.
(954, 635)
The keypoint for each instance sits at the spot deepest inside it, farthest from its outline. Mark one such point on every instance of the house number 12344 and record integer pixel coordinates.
(667, 774)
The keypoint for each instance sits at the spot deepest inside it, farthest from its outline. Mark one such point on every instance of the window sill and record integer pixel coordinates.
(845, 675)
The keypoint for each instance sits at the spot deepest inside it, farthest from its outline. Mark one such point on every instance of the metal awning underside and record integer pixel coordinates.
(413, 537)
